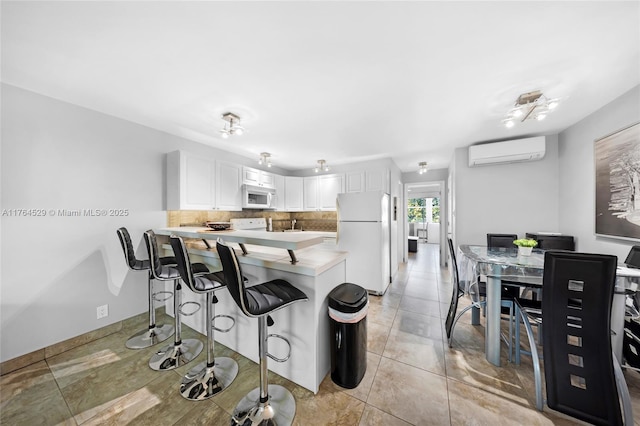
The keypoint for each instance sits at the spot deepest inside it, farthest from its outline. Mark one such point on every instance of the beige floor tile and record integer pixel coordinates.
(30, 396)
(124, 376)
(420, 306)
(159, 402)
(409, 393)
(330, 406)
(374, 417)
(389, 299)
(381, 314)
(418, 324)
(417, 351)
(377, 335)
(473, 406)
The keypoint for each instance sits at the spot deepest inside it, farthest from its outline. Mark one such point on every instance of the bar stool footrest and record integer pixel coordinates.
(278, 336)
(162, 296)
(223, 330)
(188, 314)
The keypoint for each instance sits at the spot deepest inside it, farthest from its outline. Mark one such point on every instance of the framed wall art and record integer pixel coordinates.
(617, 158)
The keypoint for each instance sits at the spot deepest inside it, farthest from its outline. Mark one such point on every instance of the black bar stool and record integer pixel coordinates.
(268, 404)
(182, 351)
(156, 333)
(213, 376)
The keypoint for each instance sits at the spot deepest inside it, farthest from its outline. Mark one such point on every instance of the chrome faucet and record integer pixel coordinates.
(293, 224)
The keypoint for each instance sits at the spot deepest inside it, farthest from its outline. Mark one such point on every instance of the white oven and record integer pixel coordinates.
(257, 197)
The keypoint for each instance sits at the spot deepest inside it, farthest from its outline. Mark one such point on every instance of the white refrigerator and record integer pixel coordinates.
(364, 231)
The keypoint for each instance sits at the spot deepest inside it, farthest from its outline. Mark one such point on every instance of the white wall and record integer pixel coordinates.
(505, 198)
(56, 270)
(577, 173)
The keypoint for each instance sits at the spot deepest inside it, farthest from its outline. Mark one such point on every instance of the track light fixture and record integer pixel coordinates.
(232, 125)
(322, 166)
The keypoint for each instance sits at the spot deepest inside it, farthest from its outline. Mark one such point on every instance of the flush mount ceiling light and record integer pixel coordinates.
(422, 167)
(322, 166)
(265, 158)
(530, 106)
(232, 125)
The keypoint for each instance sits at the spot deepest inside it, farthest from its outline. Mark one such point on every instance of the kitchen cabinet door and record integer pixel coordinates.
(279, 183)
(329, 186)
(190, 182)
(228, 186)
(354, 181)
(255, 177)
(377, 180)
(311, 193)
(294, 194)
(320, 192)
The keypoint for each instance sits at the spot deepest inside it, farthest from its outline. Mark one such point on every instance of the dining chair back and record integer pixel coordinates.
(583, 378)
(633, 258)
(554, 242)
(501, 240)
(455, 294)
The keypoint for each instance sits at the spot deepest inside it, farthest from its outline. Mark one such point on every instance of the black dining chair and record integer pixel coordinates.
(501, 240)
(478, 294)
(583, 377)
(633, 258)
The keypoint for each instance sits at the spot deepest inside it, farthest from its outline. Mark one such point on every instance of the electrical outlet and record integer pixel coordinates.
(102, 311)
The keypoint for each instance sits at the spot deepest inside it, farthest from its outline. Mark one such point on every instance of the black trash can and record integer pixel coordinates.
(348, 305)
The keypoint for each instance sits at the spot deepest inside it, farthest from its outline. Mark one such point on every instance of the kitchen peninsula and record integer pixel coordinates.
(315, 268)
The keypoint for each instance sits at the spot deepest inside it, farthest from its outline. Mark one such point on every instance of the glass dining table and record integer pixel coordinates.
(506, 267)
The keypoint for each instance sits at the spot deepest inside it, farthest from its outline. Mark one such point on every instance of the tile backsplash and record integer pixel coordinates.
(309, 221)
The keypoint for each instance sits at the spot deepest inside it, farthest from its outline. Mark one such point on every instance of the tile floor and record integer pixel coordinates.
(412, 377)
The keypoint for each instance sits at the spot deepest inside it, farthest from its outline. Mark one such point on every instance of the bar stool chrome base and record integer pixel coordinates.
(279, 410)
(174, 356)
(150, 337)
(202, 382)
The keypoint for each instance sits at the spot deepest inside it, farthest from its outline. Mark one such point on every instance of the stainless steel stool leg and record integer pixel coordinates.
(182, 351)
(155, 333)
(268, 404)
(209, 378)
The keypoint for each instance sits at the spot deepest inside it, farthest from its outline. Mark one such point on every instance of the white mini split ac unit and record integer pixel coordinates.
(517, 150)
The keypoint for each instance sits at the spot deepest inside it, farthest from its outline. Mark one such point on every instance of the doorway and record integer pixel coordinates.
(424, 212)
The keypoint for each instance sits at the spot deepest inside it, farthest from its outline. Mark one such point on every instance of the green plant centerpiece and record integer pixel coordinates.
(525, 246)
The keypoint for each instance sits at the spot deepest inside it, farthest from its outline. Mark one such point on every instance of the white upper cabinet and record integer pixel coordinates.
(279, 183)
(377, 180)
(321, 192)
(195, 182)
(354, 181)
(367, 180)
(293, 194)
(228, 186)
(251, 176)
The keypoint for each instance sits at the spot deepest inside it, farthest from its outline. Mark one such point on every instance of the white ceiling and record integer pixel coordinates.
(342, 81)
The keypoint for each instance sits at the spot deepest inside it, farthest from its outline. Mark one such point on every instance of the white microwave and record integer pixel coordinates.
(257, 197)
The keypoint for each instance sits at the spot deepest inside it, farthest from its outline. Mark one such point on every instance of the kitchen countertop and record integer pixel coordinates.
(312, 261)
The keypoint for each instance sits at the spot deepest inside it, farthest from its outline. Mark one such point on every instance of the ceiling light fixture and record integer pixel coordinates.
(530, 106)
(422, 167)
(265, 158)
(322, 166)
(232, 125)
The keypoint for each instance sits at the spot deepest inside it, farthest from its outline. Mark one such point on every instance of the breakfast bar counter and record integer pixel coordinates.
(318, 270)
(289, 241)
